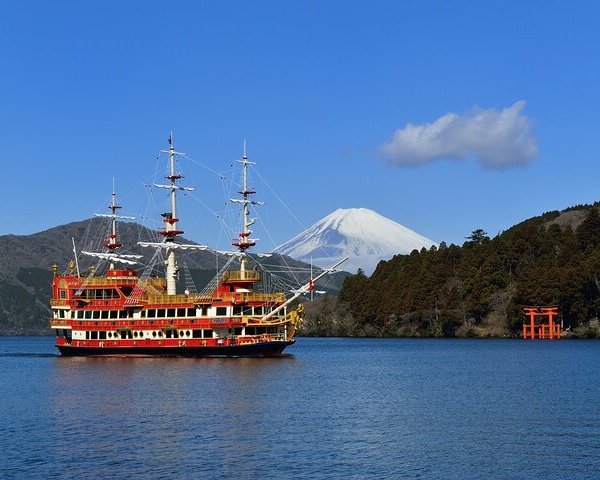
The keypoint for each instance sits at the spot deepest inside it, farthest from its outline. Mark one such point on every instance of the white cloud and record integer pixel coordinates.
(495, 139)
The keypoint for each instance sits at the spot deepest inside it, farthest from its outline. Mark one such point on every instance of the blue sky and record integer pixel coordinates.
(90, 91)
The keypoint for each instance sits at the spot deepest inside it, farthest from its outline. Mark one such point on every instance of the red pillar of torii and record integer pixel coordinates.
(541, 323)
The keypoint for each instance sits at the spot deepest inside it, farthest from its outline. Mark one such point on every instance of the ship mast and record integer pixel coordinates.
(244, 242)
(112, 243)
(171, 232)
(170, 218)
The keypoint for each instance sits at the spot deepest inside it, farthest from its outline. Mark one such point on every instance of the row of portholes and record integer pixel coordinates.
(155, 334)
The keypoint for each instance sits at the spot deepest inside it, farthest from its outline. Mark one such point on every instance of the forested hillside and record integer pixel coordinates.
(479, 288)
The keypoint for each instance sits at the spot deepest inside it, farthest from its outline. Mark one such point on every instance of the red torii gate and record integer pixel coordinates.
(536, 327)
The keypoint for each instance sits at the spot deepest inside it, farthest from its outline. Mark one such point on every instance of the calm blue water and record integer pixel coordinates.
(337, 408)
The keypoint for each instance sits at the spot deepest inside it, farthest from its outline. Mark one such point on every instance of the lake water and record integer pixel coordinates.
(333, 408)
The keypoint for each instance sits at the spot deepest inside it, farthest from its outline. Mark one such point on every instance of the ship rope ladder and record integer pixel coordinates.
(190, 285)
(143, 285)
(206, 294)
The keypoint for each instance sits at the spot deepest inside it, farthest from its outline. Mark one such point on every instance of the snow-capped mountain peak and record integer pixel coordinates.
(358, 233)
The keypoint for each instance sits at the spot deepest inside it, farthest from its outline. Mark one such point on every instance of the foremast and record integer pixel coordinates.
(244, 242)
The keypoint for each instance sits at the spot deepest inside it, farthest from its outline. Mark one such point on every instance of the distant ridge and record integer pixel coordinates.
(363, 235)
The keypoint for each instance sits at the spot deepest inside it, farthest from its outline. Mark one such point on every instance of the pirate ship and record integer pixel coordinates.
(126, 311)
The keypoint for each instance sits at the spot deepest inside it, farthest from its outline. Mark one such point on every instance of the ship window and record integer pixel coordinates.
(96, 314)
(87, 335)
(102, 335)
(135, 334)
(196, 333)
(94, 335)
(258, 310)
(187, 333)
(191, 312)
(204, 311)
(237, 310)
(208, 333)
(88, 314)
(143, 314)
(171, 312)
(109, 334)
(104, 314)
(154, 334)
(268, 310)
(114, 314)
(151, 313)
(122, 313)
(221, 311)
(181, 312)
(63, 294)
(250, 331)
(237, 331)
(160, 333)
(79, 313)
(247, 310)
(160, 313)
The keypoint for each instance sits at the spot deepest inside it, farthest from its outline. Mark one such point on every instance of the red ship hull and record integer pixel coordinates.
(263, 349)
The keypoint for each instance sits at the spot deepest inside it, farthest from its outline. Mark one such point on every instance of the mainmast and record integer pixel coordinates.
(171, 232)
(244, 242)
(170, 218)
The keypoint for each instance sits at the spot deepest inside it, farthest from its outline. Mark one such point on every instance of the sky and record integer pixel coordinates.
(443, 116)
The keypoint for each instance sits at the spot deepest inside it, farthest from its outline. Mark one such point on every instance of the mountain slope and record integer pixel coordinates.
(358, 233)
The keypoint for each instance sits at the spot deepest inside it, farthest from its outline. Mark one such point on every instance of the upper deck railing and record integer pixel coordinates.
(238, 275)
(101, 281)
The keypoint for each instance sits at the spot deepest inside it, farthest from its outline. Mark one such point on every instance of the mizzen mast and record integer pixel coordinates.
(112, 244)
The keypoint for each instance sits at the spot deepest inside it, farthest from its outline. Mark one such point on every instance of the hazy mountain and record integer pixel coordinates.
(358, 233)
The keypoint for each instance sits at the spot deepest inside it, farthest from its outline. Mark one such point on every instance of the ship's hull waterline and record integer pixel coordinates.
(263, 349)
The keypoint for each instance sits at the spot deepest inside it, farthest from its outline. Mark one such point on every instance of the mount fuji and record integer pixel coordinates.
(360, 234)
